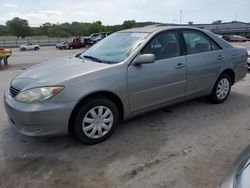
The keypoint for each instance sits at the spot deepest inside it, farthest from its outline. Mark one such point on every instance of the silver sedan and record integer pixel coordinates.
(238, 176)
(128, 73)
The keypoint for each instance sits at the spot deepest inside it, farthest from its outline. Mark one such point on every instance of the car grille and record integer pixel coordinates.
(14, 91)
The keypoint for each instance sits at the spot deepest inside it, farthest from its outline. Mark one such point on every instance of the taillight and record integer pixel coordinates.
(247, 55)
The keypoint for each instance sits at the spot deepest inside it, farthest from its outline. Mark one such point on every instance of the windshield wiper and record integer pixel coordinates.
(78, 55)
(96, 59)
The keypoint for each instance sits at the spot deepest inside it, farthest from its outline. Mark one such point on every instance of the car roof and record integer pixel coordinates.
(161, 27)
(157, 28)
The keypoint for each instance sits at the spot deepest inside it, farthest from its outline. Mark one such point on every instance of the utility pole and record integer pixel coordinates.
(236, 16)
(180, 16)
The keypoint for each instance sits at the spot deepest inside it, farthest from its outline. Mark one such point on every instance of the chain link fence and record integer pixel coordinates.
(40, 41)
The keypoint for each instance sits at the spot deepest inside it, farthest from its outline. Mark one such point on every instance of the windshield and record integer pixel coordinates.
(116, 47)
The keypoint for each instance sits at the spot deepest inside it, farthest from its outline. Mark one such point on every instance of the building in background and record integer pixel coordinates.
(226, 28)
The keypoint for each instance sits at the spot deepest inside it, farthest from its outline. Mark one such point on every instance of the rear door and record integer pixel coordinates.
(162, 81)
(30, 46)
(204, 60)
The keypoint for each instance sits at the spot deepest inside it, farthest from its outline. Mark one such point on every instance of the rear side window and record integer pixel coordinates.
(164, 45)
(197, 42)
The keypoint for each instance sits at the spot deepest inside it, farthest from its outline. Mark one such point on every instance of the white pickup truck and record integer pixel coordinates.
(29, 47)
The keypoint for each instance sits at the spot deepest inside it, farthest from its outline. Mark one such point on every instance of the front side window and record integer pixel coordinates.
(197, 42)
(164, 45)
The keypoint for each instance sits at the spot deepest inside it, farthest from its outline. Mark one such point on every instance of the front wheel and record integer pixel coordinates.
(221, 89)
(96, 120)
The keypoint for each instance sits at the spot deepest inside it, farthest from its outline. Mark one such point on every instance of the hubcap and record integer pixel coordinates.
(97, 122)
(223, 88)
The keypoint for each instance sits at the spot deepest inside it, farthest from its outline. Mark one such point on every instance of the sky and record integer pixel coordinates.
(111, 12)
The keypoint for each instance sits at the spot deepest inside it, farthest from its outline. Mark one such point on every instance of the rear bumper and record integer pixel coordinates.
(39, 119)
(240, 71)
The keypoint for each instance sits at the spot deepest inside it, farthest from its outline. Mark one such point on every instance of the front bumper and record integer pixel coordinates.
(38, 119)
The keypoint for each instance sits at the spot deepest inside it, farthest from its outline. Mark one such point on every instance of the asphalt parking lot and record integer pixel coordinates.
(188, 145)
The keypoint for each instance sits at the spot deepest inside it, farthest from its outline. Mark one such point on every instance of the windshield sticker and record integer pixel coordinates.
(139, 34)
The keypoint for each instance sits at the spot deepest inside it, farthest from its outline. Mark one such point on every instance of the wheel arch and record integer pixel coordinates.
(231, 73)
(106, 94)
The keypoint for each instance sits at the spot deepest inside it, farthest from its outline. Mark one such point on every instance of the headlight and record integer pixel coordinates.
(38, 94)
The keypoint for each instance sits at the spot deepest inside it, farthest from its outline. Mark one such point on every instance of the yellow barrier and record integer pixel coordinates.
(5, 53)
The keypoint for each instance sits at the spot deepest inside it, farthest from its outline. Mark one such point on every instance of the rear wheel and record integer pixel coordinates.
(221, 89)
(36, 48)
(23, 49)
(96, 120)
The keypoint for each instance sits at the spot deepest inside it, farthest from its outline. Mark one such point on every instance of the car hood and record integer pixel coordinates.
(242, 178)
(55, 72)
(238, 173)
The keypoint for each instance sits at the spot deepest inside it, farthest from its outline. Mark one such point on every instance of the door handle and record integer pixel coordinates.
(179, 66)
(220, 57)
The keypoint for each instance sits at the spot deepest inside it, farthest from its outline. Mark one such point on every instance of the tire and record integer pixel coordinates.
(36, 48)
(95, 131)
(23, 49)
(221, 89)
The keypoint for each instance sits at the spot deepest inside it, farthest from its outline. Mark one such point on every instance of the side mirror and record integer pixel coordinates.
(144, 59)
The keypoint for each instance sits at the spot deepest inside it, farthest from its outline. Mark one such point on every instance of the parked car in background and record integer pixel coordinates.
(238, 176)
(74, 43)
(90, 38)
(29, 46)
(126, 74)
(226, 38)
(248, 60)
(62, 45)
(237, 38)
(234, 38)
(100, 36)
(95, 37)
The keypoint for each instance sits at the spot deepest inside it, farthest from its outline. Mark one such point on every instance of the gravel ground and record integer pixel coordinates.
(188, 145)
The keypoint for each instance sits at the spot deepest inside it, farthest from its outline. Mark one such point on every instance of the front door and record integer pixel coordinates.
(164, 80)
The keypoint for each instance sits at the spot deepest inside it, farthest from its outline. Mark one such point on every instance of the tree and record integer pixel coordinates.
(3, 30)
(129, 24)
(44, 28)
(57, 31)
(18, 27)
(95, 27)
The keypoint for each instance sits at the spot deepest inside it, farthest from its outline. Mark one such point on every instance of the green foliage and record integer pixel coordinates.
(18, 27)
(57, 31)
(44, 28)
(3, 30)
(95, 27)
(129, 24)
